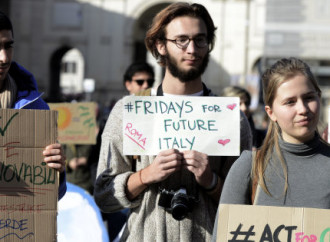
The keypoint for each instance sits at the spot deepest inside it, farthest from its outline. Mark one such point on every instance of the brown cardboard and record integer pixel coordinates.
(76, 122)
(28, 188)
(267, 223)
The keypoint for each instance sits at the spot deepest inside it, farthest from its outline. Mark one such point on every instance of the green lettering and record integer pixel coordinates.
(175, 142)
(211, 123)
(10, 171)
(1, 170)
(51, 175)
(191, 143)
(171, 107)
(2, 131)
(28, 172)
(323, 234)
(18, 176)
(37, 176)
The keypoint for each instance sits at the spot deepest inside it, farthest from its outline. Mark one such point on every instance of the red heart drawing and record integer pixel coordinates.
(231, 106)
(223, 141)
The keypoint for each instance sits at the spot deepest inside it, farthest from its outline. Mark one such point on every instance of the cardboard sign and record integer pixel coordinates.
(28, 188)
(207, 124)
(76, 122)
(267, 223)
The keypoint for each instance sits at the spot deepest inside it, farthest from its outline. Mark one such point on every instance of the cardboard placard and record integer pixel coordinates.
(28, 188)
(76, 122)
(207, 124)
(267, 223)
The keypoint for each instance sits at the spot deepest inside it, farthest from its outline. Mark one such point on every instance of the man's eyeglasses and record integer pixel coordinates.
(183, 41)
(150, 81)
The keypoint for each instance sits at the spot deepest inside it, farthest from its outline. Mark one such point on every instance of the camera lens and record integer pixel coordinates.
(180, 206)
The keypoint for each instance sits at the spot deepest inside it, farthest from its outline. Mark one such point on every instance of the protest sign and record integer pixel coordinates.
(207, 124)
(267, 223)
(28, 188)
(76, 122)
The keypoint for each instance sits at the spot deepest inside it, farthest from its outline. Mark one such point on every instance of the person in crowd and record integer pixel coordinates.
(292, 166)
(138, 76)
(245, 102)
(81, 161)
(18, 90)
(181, 37)
(79, 166)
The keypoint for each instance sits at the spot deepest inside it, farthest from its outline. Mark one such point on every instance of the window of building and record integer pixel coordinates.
(69, 67)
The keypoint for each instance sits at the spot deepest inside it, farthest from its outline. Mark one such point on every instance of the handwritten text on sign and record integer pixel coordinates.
(207, 124)
(267, 223)
(28, 187)
(76, 122)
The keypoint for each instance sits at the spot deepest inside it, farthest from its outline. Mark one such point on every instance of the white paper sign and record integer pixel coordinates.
(207, 124)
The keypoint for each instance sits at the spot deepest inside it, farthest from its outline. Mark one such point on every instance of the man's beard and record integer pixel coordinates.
(186, 76)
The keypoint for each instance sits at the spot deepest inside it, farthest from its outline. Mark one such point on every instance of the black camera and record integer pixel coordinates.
(179, 203)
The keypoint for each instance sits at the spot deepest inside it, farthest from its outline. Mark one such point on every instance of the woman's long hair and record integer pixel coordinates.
(272, 78)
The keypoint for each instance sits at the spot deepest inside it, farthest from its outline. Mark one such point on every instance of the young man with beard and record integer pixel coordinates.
(181, 37)
(18, 90)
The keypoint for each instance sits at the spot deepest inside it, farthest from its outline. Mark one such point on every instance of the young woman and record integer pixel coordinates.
(292, 167)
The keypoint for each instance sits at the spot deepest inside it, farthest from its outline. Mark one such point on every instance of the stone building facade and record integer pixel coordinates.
(109, 34)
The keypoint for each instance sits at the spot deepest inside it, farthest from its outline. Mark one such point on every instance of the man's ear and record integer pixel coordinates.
(161, 48)
(128, 85)
(270, 113)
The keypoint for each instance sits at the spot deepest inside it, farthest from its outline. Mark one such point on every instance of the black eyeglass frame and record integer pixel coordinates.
(174, 41)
